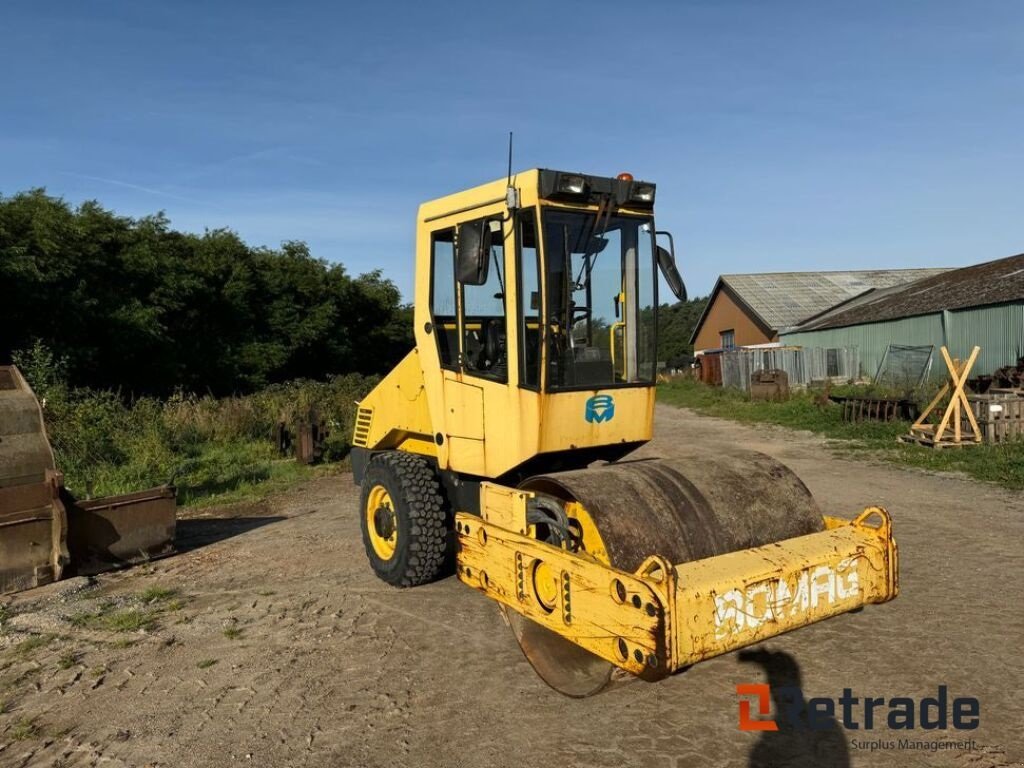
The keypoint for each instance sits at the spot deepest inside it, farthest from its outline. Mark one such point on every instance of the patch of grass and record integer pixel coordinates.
(175, 605)
(272, 477)
(98, 671)
(214, 450)
(26, 648)
(1002, 463)
(232, 633)
(804, 410)
(156, 594)
(266, 593)
(206, 663)
(5, 615)
(125, 620)
(67, 660)
(23, 730)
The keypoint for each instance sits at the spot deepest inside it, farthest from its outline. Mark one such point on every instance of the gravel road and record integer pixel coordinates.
(271, 644)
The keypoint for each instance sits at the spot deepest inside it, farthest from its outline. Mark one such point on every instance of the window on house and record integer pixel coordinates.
(728, 339)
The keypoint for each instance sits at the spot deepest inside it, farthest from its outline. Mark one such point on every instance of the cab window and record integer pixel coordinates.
(530, 314)
(442, 297)
(484, 348)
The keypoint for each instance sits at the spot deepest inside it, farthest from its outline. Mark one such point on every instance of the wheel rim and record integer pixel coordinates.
(381, 522)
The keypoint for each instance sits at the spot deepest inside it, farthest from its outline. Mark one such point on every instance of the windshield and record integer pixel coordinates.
(600, 299)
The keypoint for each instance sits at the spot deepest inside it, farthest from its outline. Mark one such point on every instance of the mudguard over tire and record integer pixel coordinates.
(404, 516)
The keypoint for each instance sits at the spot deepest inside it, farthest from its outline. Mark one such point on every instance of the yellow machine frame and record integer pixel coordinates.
(473, 425)
(668, 616)
(651, 622)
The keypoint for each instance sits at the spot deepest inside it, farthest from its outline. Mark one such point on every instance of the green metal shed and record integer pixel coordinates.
(980, 305)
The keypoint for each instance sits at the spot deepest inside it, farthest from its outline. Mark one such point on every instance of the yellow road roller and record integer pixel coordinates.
(498, 448)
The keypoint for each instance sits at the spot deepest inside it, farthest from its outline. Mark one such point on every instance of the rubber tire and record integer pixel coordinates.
(420, 513)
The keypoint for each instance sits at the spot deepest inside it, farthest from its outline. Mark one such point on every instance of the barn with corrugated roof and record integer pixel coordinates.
(752, 309)
(979, 305)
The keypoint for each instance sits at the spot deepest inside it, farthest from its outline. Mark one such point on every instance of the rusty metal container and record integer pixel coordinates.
(33, 521)
(44, 531)
(769, 385)
(115, 531)
(710, 368)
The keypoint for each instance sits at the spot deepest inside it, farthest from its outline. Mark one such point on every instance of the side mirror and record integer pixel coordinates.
(474, 251)
(667, 265)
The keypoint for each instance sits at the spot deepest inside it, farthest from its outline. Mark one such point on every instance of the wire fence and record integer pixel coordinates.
(803, 365)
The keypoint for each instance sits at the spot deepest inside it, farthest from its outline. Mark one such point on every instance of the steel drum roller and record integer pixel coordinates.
(686, 508)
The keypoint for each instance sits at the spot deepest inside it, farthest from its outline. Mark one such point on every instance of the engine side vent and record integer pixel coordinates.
(363, 418)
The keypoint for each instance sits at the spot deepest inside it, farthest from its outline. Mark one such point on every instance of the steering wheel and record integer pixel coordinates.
(490, 348)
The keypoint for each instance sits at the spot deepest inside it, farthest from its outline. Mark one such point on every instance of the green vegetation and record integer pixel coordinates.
(23, 730)
(232, 633)
(135, 306)
(675, 326)
(108, 620)
(157, 594)
(25, 648)
(1002, 464)
(206, 663)
(214, 450)
(116, 322)
(67, 660)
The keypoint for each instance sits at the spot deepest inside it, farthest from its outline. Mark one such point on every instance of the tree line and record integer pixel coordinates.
(134, 305)
(675, 326)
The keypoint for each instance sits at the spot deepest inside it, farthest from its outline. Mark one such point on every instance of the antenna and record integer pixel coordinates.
(511, 193)
(510, 158)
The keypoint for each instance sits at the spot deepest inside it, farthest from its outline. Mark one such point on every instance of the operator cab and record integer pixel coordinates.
(584, 278)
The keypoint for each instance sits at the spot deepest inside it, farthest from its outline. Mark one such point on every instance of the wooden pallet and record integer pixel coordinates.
(948, 440)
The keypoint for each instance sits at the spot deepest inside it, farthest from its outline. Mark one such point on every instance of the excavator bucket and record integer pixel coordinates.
(45, 533)
(115, 531)
(33, 521)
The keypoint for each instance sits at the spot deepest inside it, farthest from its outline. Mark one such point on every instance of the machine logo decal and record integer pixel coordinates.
(600, 408)
(814, 590)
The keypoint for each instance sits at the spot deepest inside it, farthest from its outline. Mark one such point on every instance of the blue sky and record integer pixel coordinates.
(782, 135)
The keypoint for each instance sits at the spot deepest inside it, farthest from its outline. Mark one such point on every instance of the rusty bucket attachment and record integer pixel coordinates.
(33, 523)
(116, 531)
(44, 531)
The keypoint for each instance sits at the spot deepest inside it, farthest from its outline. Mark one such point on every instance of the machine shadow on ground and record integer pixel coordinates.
(794, 744)
(201, 532)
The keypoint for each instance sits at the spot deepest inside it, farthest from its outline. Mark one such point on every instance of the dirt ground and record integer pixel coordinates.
(278, 647)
